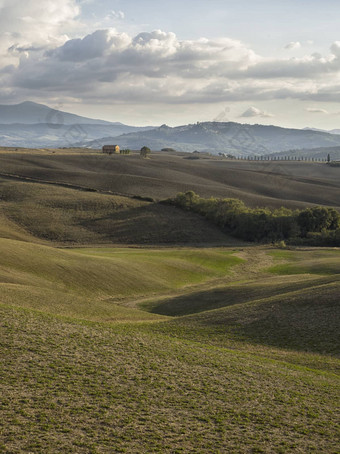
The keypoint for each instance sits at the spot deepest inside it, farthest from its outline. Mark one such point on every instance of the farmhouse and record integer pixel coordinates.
(111, 149)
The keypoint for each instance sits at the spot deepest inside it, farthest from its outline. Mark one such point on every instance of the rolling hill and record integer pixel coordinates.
(86, 368)
(64, 216)
(128, 325)
(257, 183)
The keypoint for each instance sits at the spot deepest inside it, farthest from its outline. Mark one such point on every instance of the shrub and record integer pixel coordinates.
(145, 151)
(318, 224)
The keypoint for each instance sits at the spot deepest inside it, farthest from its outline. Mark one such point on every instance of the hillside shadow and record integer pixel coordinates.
(157, 224)
(197, 302)
(305, 320)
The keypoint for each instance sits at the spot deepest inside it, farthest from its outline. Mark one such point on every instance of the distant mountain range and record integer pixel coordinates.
(30, 113)
(35, 125)
(233, 138)
(330, 131)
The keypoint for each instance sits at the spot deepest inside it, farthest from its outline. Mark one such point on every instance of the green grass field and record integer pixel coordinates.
(183, 342)
(75, 387)
(98, 355)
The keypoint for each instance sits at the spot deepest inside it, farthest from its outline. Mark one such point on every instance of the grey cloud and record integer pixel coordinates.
(158, 67)
(88, 48)
(17, 48)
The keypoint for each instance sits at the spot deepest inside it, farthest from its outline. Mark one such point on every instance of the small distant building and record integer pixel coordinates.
(110, 149)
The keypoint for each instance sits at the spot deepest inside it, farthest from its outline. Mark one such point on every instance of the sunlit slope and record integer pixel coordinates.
(311, 261)
(72, 387)
(86, 284)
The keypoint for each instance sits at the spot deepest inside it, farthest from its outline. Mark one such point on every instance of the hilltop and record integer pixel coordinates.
(233, 138)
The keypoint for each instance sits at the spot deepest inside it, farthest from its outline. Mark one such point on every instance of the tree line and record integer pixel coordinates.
(314, 226)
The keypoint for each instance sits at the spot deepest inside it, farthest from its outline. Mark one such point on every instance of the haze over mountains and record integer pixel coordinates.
(32, 113)
(35, 125)
(234, 138)
(331, 131)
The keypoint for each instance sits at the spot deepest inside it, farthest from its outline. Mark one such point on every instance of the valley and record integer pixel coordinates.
(129, 325)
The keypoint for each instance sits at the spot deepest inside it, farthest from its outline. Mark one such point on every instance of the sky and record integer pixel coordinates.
(175, 62)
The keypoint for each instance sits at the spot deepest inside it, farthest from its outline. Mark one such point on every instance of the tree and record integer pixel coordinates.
(317, 219)
(144, 152)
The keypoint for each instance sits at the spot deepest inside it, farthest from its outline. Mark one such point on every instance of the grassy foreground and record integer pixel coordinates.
(91, 388)
(168, 350)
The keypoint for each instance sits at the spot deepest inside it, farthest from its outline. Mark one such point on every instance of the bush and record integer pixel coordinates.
(145, 151)
(317, 225)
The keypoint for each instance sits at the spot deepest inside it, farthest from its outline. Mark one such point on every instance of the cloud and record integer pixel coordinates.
(223, 115)
(321, 111)
(114, 15)
(93, 46)
(155, 65)
(317, 110)
(293, 45)
(106, 66)
(254, 112)
(29, 26)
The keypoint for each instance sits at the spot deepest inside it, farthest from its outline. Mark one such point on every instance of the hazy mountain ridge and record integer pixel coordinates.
(35, 125)
(235, 138)
(48, 135)
(330, 131)
(29, 112)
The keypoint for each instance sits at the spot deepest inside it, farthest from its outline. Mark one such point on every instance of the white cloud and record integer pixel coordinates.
(317, 110)
(335, 48)
(254, 112)
(293, 45)
(114, 15)
(31, 25)
(96, 45)
(151, 67)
